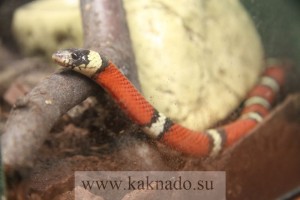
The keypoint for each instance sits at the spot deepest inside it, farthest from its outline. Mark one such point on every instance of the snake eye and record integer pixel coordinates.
(74, 56)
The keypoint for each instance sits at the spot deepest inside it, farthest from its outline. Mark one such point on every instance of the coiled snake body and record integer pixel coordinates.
(158, 126)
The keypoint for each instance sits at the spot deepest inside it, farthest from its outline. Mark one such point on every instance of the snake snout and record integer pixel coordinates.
(60, 58)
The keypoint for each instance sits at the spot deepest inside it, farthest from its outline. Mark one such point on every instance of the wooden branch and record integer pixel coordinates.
(32, 118)
(106, 31)
(34, 115)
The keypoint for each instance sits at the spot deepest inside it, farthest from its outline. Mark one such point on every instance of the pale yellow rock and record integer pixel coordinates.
(197, 59)
(47, 25)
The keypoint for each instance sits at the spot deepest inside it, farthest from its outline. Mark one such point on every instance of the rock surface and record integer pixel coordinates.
(44, 26)
(197, 59)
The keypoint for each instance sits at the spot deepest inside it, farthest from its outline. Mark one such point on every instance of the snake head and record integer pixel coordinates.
(84, 61)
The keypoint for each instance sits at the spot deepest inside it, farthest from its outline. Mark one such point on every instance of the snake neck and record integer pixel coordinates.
(125, 94)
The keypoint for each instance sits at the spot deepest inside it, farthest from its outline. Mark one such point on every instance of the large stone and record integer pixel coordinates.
(46, 25)
(197, 59)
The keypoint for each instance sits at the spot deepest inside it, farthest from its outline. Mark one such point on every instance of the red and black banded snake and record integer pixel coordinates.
(156, 125)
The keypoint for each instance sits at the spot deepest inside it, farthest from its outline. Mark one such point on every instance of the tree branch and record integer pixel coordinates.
(34, 115)
(105, 30)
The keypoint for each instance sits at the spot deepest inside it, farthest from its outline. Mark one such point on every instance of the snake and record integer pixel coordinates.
(156, 125)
